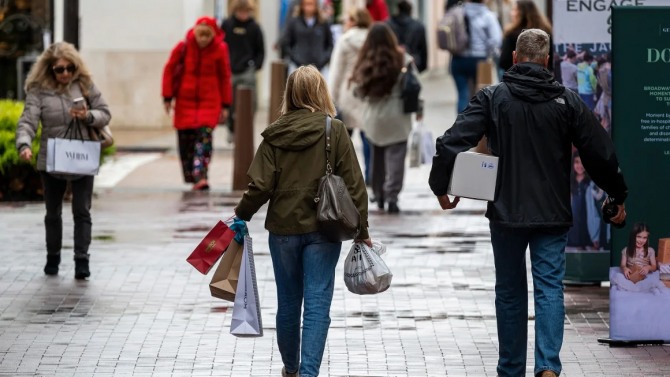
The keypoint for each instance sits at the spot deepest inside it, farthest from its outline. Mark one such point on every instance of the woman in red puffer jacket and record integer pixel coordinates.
(196, 83)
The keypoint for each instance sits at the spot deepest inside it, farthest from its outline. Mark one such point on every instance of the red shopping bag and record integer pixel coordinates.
(211, 248)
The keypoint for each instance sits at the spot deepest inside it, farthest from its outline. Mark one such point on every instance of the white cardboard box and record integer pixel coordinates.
(474, 176)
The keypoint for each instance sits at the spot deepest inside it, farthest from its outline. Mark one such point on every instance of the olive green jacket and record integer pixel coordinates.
(288, 166)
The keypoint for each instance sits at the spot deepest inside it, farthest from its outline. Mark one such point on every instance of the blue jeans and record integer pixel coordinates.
(304, 267)
(464, 70)
(588, 100)
(547, 254)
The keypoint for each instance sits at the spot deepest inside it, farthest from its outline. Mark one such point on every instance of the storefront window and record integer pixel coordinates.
(23, 27)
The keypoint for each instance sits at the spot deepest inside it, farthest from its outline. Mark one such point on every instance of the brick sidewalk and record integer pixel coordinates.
(146, 312)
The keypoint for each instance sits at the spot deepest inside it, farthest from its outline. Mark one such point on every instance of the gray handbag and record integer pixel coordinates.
(336, 213)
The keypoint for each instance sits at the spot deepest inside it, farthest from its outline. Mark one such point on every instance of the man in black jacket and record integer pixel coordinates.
(531, 122)
(247, 50)
(411, 34)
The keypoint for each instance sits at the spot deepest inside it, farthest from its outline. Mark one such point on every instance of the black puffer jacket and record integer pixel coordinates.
(531, 122)
(412, 35)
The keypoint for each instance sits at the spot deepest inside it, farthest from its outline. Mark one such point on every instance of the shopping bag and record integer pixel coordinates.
(73, 156)
(226, 275)
(246, 321)
(211, 248)
(365, 272)
(427, 144)
(414, 148)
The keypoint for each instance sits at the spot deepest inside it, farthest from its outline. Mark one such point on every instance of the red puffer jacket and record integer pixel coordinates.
(205, 84)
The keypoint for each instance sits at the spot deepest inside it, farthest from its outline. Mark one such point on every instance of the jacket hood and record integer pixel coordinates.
(532, 82)
(475, 9)
(355, 37)
(218, 33)
(296, 130)
(402, 20)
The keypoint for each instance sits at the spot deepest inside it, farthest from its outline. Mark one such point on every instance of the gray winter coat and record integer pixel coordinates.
(52, 110)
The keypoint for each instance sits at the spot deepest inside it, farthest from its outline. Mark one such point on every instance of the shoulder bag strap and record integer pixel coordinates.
(329, 168)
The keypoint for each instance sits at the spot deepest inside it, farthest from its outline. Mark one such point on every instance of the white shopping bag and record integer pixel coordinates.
(414, 148)
(427, 145)
(73, 156)
(246, 320)
(365, 272)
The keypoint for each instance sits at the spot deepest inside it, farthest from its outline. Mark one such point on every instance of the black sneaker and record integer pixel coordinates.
(393, 208)
(51, 267)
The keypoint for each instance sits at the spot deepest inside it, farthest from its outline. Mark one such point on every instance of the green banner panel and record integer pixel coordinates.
(641, 131)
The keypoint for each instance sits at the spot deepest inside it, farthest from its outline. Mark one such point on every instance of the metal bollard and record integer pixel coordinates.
(244, 136)
(278, 77)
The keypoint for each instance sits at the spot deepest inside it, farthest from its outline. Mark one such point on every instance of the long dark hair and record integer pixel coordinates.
(632, 244)
(529, 18)
(379, 63)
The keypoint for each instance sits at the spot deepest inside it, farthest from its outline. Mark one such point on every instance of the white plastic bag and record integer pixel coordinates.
(365, 272)
(421, 146)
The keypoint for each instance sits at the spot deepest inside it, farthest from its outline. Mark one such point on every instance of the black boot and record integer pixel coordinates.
(393, 208)
(81, 270)
(53, 260)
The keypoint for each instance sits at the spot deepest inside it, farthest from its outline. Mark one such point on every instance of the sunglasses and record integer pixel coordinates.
(61, 69)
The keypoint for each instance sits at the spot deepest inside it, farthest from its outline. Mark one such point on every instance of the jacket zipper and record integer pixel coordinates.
(197, 86)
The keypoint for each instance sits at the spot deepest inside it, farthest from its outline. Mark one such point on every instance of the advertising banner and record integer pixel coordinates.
(582, 36)
(640, 278)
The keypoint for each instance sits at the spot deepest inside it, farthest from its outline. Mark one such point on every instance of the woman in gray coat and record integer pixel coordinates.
(57, 78)
(378, 74)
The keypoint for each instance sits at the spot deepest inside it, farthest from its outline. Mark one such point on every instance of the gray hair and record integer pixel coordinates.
(532, 45)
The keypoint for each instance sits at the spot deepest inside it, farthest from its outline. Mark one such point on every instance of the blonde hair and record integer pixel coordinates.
(360, 17)
(243, 5)
(306, 89)
(41, 74)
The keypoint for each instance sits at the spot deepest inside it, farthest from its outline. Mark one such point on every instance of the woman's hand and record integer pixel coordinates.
(26, 154)
(224, 115)
(367, 241)
(80, 114)
(168, 106)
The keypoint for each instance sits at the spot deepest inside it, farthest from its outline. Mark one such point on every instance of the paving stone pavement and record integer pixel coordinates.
(146, 312)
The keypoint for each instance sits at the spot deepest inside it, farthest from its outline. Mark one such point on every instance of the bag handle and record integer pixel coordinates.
(329, 168)
(73, 129)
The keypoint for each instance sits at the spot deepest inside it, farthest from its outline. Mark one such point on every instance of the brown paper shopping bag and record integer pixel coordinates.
(224, 281)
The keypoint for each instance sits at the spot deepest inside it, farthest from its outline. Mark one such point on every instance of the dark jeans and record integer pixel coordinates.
(54, 190)
(464, 70)
(547, 258)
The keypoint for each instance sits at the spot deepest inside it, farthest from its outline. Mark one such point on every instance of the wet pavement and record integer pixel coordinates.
(146, 312)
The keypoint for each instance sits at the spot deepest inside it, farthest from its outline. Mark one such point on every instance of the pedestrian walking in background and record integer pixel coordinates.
(586, 81)
(286, 171)
(604, 105)
(411, 34)
(196, 84)
(307, 38)
(378, 78)
(244, 38)
(524, 15)
(57, 78)
(569, 71)
(378, 9)
(485, 38)
(345, 55)
(531, 122)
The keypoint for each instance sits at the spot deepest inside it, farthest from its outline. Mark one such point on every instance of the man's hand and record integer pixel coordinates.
(446, 203)
(26, 154)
